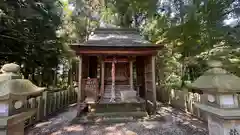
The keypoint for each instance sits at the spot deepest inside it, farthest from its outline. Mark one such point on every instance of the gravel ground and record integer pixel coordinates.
(169, 121)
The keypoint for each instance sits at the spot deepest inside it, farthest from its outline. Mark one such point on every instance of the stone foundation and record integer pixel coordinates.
(128, 95)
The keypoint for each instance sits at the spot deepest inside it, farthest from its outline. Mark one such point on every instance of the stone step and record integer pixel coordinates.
(107, 120)
(109, 91)
(121, 87)
(110, 94)
(116, 116)
(107, 99)
(116, 89)
(118, 106)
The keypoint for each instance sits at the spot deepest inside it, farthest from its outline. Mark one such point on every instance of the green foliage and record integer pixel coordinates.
(28, 36)
(195, 34)
(127, 12)
(191, 31)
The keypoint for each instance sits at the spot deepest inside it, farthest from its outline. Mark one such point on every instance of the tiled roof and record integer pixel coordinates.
(117, 37)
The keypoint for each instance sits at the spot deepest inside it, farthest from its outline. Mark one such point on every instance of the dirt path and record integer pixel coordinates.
(169, 121)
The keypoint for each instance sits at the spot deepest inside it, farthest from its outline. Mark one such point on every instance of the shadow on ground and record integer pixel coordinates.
(168, 121)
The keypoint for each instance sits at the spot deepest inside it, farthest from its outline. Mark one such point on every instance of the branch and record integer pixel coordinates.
(9, 53)
(9, 37)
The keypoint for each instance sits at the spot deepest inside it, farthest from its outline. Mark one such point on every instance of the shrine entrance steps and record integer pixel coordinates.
(107, 93)
(118, 111)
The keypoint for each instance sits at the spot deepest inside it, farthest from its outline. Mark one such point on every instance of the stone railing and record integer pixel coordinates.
(184, 100)
(49, 103)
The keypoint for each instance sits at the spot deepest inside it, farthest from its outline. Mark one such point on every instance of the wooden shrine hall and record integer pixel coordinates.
(116, 71)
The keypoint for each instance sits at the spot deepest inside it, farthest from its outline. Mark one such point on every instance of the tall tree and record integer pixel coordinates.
(27, 31)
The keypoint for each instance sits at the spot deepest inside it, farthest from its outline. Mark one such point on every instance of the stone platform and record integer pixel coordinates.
(118, 111)
(126, 106)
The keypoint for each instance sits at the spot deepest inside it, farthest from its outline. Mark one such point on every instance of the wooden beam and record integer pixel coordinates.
(119, 60)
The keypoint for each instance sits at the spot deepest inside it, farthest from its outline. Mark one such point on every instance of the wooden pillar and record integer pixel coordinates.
(79, 79)
(113, 81)
(154, 81)
(70, 75)
(131, 74)
(102, 76)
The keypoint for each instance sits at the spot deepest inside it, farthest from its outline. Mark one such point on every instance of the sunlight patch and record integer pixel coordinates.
(74, 128)
(95, 132)
(57, 133)
(150, 125)
(119, 124)
(112, 128)
(43, 124)
(130, 133)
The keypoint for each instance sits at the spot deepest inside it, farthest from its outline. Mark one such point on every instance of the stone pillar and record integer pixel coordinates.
(131, 74)
(102, 76)
(154, 81)
(79, 79)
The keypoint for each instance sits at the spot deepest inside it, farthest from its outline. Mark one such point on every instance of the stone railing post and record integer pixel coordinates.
(45, 103)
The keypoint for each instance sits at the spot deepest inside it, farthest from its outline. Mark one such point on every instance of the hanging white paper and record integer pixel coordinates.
(227, 100)
(3, 108)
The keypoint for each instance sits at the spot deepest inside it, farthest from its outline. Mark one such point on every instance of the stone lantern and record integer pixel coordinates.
(221, 89)
(13, 100)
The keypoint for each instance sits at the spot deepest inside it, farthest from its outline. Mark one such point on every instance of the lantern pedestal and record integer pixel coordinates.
(222, 121)
(14, 125)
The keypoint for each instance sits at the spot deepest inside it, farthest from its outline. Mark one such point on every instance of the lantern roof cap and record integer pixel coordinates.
(217, 80)
(18, 87)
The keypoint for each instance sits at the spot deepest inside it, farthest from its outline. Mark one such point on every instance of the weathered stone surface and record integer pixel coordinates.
(221, 87)
(217, 79)
(10, 71)
(11, 67)
(18, 87)
(128, 95)
(13, 98)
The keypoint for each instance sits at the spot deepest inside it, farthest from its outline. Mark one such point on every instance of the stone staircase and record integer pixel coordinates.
(107, 92)
(118, 111)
